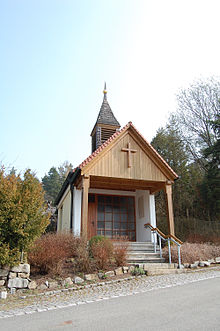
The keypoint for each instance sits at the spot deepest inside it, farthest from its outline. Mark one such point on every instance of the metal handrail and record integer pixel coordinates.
(168, 238)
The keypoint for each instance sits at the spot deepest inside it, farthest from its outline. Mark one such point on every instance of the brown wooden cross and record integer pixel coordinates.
(129, 150)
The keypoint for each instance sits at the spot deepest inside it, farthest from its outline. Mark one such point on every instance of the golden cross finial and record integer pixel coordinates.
(129, 150)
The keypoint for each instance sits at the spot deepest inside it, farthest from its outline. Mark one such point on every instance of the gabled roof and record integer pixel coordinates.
(119, 133)
(75, 172)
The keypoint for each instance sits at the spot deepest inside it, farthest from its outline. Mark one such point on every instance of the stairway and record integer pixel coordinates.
(143, 252)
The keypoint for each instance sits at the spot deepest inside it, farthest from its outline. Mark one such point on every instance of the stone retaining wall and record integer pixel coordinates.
(15, 277)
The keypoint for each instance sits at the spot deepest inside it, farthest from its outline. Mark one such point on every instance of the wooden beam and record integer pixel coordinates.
(84, 211)
(170, 216)
(125, 184)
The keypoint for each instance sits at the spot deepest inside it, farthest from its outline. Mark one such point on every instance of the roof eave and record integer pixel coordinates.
(70, 179)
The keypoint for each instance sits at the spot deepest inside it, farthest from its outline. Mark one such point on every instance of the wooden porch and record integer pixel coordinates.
(87, 182)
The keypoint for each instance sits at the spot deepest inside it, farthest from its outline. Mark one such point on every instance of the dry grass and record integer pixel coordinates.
(191, 252)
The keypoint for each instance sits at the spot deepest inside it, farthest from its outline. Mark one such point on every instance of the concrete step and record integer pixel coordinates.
(162, 271)
(148, 266)
(142, 249)
(142, 254)
(134, 261)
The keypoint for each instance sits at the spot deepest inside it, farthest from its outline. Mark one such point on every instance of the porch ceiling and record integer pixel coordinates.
(112, 183)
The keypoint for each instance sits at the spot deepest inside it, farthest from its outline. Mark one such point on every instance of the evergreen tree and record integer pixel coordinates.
(210, 188)
(172, 148)
(23, 214)
(53, 181)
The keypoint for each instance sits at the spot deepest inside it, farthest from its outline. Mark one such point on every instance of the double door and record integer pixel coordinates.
(111, 216)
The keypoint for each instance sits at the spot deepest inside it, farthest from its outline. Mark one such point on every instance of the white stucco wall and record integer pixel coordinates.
(63, 222)
(66, 212)
(153, 221)
(148, 215)
(77, 200)
(142, 234)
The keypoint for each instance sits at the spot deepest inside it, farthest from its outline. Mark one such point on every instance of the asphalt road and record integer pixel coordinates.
(194, 306)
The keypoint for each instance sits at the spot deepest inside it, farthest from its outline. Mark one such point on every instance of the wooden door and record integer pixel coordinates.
(92, 218)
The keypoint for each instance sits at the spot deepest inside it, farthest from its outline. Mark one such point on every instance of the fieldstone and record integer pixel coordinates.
(125, 269)
(42, 287)
(66, 281)
(204, 264)
(4, 272)
(18, 283)
(52, 285)
(181, 266)
(3, 295)
(78, 280)
(186, 265)
(110, 274)
(212, 261)
(91, 277)
(2, 282)
(32, 285)
(12, 275)
(22, 268)
(101, 275)
(13, 290)
(217, 260)
(119, 271)
(193, 266)
(196, 263)
(23, 275)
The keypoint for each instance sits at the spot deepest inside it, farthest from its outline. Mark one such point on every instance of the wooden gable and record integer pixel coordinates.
(146, 164)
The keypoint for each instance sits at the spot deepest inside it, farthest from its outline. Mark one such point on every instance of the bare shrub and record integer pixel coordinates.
(120, 253)
(191, 252)
(49, 252)
(82, 261)
(102, 252)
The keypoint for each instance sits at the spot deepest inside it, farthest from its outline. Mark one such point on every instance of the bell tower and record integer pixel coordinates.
(106, 124)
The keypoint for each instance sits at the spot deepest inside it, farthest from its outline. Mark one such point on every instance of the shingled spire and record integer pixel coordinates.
(106, 124)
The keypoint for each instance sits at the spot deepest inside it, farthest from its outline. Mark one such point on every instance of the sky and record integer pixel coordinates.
(56, 55)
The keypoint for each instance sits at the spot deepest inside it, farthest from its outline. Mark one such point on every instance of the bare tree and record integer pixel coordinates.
(197, 107)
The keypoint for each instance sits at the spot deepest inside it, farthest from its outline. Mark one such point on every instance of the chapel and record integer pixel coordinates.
(112, 192)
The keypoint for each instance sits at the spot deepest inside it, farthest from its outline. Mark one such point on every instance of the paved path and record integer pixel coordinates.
(189, 299)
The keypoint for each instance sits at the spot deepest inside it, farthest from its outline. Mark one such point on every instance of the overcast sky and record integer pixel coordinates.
(56, 55)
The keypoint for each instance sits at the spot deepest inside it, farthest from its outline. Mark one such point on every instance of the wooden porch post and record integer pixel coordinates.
(84, 213)
(170, 217)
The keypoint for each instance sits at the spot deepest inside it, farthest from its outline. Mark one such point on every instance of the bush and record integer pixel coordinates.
(23, 216)
(50, 251)
(82, 261)
(191, 252)
(120, 253)
(95, 240)
(101, 249)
